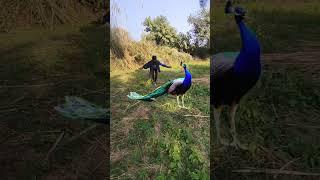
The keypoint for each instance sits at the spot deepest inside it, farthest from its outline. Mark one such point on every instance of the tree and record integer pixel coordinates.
(183, 42)
(160, 31)
(200, 31)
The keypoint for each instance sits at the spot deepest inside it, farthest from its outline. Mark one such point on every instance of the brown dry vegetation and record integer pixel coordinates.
(39, 66)
(48, 13)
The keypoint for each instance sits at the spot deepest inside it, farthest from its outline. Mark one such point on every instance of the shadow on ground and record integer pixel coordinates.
(39, 67)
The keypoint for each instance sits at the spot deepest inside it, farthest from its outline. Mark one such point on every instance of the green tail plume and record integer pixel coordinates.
(154, 94)
(78, 108)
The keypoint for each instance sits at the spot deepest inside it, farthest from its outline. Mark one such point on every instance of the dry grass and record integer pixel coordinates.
(39, 68)
(127, 54)
(147, 136)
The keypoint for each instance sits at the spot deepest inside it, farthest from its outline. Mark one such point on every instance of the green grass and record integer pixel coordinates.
(278, 121)
(154, 140)
(278, 118)
(38, 68)
(280, 26)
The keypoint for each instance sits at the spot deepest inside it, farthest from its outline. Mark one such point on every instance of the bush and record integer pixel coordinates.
(129, 54)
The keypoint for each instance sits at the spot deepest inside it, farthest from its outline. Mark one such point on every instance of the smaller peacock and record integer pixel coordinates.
(177, 87)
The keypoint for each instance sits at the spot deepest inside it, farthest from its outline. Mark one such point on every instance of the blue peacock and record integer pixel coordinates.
(176, 87)
(79, 108)
(233, 74)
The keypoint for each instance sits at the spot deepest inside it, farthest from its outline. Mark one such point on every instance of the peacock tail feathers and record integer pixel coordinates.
(78, 108)
(154, 94)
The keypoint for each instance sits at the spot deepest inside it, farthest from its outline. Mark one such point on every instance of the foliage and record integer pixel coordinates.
(195, 41)
(183, 42)
(129, 54)
(160, 31)
(200, 31)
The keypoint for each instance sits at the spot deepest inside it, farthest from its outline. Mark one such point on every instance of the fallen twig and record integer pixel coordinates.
(286, 165)
(80, 134)
(93, 92)
(8, 110)
(274, 111)
(130, 106)
(17, 100)
(305, 126)
(44, 84)
(275, 171)
(54, 145)
(200, 116)
(101, 162)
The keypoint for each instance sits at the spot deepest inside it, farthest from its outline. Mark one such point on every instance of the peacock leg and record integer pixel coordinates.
(183, 101)
(216, 114)
(235, 141)
(178, 101)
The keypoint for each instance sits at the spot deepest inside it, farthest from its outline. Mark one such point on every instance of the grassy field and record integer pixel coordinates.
(38, 68)
(158, 140)
(278, 119)
(282, 26)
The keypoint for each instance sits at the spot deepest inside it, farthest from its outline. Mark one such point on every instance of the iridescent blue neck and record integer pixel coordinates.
(248, 59)
(187, 79)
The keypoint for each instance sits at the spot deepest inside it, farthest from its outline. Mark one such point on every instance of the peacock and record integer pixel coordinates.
(176, 87)
(78, 108)
(233, 74)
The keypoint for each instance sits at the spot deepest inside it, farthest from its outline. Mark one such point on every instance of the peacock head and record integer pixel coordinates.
(239, 13)
(183, 65)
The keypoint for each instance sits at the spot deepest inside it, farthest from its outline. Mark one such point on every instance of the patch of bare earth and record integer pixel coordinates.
(127, 122)
(123, 129)
(118, 155)
(202, 80)
(308, 60)
(157, 129)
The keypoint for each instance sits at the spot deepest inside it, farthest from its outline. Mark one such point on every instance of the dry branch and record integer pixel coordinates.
(55, 145)
(200, 116)
(285, 166)
(276, 171)
(80, 134)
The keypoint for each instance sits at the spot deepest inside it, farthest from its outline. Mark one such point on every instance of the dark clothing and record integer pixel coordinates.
(154, 66)
(153, 75)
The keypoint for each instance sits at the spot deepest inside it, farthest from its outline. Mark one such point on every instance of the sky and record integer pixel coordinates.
(130, 14)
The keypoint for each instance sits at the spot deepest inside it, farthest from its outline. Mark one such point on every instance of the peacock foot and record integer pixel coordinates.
(183, 107)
